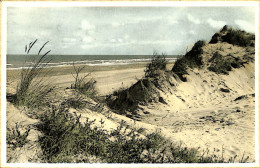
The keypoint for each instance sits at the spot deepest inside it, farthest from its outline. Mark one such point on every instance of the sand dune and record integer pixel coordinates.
(212, 112)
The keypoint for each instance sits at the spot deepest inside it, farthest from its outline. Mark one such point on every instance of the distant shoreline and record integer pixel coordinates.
(25, 61)
(64, 70)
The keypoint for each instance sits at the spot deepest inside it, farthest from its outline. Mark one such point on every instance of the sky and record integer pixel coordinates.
(119, 30)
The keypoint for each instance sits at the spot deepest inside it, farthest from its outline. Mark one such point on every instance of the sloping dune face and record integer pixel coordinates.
(207, 100)
(211, 106)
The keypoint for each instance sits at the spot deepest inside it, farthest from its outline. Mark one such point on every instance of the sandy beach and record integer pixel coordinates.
(109, 78)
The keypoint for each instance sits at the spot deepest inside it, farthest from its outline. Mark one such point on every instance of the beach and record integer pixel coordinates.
(108, 77)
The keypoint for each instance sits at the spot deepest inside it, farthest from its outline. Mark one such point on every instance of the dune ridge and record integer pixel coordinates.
(200, 107)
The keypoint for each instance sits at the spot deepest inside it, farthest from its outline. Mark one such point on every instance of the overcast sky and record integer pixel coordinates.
(119, 30)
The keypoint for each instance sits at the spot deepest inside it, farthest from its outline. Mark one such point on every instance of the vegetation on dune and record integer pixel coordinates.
(234, 36)
(158, 63)
(32, 89)
(143, 91)
(66, 139)
(83, 84)
(221, 64)
(218, 63)
(191, 59)
(240, 38)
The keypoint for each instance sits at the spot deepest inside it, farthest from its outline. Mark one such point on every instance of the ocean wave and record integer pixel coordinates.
(28, 65)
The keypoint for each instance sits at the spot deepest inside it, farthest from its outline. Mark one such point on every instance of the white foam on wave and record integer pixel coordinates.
(88, 63)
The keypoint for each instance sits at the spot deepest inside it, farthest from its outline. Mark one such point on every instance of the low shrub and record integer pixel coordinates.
(157, 63)
(65, 138)
(239, 37)
(15, 139)
(234, 36)
(221, 64)
(83, 84)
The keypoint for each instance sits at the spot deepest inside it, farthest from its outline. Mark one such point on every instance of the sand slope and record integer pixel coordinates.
(201, 116)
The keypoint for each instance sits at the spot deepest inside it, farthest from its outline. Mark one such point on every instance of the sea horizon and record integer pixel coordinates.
(25, 61)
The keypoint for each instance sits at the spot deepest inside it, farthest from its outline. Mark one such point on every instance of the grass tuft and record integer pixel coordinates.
(83, 84)
(31, 90)
(158, 63)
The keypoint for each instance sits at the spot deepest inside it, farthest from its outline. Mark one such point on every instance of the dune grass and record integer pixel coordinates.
(82, 83)
(240, 38)
(32, 89)
(158, 63)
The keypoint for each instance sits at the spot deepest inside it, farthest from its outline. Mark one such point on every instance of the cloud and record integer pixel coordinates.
(126, 36)
(217, 24)
(148, 42)
(127, 30)
(85, 25)
(172, 21)
(88, 39)
(113, 40)
(193, 19)
(69, 40)
(192, 32)
(245, 25)
(117, 24)
(118, 40)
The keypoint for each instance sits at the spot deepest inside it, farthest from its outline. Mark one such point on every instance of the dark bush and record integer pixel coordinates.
(239, 37)
(234, 36)
(158, 62)
(221, 64)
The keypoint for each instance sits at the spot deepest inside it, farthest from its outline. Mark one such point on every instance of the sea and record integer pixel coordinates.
(26, 61)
